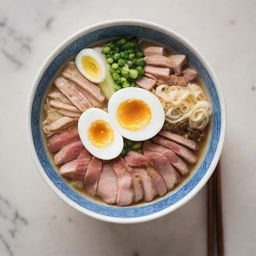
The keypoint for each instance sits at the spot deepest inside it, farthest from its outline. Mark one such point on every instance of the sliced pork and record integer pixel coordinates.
(179, 139)
(69, 113)
(157, 72)
(162, 164)
(177, 80)
(178, 61)
(153, 50)
(146, 83)
(68, 153)
(157, 180)
(72, 73)
(185, 153)
(147, 183)
(175, 160)
(137, 182)
(60, 139)
(57, 95)
(92, 175)
(189, 74)
(61, 123)
(107, 186)
(125, 193)
(82, 163)
(69, 89)
(64, 106)
(68, 169)
(136, 159)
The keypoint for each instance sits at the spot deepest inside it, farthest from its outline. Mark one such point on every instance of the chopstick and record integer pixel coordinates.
(215, 237)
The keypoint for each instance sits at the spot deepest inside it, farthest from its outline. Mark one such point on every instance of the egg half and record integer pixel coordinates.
(136, 113)
(92, 65)
(98, 135)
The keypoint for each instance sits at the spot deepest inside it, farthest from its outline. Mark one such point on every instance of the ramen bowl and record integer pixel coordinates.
(204, 168)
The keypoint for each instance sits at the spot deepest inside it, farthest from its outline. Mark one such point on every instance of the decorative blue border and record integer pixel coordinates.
(74, 48)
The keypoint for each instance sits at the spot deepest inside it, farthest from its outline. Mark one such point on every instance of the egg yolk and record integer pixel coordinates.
(100, 133)
(91, 66)
(133, 114)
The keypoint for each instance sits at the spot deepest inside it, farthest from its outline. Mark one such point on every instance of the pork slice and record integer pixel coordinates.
(158, 181)
(150, 76)
(136, 159)
(189, 74)
(125, 193)
(175, 160)
(68, 169)
(185, 153)
(136, 181)
(61, 123)
(57, 95)
(158, 60)
(157, 72)
(94, 102)
(68, 153)
(60, 139)
(92, 175)
(64, 106)
(146, 83)
(177, 80)
(178, 61)
(82, 163)
(153, 50)
(69, 89)
(162, 164)
(72, 73)
(147, 183)
(69, 113)
(107, 186)
(179, 139)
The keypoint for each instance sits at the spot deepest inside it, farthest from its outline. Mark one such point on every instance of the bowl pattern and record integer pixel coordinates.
(49, 74)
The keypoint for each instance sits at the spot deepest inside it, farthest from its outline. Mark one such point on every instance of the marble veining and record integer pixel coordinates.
(11, 223)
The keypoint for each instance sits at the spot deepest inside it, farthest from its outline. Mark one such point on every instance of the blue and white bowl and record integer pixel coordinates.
(173, 200)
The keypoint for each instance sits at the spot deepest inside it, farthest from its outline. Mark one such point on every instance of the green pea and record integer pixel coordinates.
(106, 50)
(139, 151)
(125, 72)
(117, 87)
(110, 44)
(137, 146)
(126, 84)
(139, 69)
(139, 54)
(131, 56)
(109, 60)
(111, 70)
(129, 143)
(121, 62)
(117, 56)
(133, 73)
(122, 54)
(123, 79)
(116, 76)
(122, 41)
(129, 62)
(115, 66)
(140, 62)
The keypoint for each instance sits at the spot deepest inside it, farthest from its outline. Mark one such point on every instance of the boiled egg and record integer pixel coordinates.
(91, 63)
(136, 113)
(98, 135)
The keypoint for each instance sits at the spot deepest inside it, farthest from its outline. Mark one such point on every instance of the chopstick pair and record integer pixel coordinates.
(215, 239)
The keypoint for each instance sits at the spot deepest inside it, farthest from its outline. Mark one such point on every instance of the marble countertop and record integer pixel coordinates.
(34, 221)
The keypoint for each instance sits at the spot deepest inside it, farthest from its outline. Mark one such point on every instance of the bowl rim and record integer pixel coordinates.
(220, 143)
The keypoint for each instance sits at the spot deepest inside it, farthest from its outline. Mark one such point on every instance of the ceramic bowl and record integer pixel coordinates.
(205, 167)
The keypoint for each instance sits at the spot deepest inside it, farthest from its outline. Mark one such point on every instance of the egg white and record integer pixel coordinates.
(157, 113)
(111, 150)
(98, 57)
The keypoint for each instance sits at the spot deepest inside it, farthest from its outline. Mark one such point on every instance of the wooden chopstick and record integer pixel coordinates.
(215, 237)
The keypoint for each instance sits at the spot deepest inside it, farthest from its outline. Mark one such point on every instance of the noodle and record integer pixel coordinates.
(182, 103)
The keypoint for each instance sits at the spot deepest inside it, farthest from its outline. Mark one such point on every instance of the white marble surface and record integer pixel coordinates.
(34, 221)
